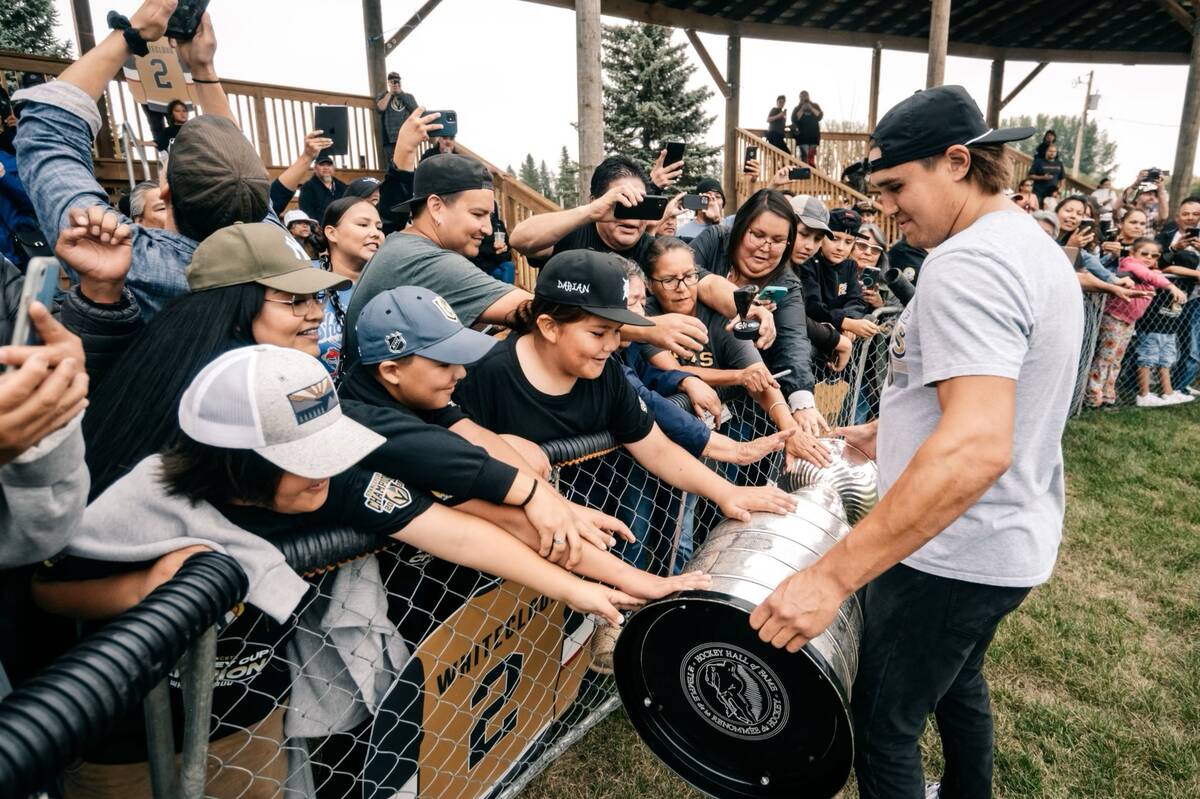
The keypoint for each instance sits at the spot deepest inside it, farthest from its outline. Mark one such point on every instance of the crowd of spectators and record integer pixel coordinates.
(245, 373)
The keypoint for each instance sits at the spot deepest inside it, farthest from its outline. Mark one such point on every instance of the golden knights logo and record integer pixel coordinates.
(386, 495)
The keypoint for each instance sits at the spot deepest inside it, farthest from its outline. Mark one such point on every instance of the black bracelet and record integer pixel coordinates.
(532, 491)
(201, 80)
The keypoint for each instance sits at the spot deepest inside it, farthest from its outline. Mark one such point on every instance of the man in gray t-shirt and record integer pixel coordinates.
(982, 365)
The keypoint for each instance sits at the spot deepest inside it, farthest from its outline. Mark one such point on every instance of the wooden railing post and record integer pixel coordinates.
(260, 124)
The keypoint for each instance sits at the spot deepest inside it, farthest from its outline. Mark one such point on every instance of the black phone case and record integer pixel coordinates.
(334, 122)
(651, 208)
(186, 18)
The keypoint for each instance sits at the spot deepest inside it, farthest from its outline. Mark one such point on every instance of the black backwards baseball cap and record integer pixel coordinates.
(929, 122)
(845, 220)
(593, 281)
(443, 174)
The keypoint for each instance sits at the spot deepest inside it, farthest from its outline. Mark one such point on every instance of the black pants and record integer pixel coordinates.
(777, 140)
(923, 646)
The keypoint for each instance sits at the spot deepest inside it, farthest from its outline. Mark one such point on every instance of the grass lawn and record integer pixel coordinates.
(1095, 679)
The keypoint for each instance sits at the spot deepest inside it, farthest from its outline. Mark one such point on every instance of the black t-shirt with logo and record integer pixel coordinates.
(252, 674)
(497, 395)
(586, 237)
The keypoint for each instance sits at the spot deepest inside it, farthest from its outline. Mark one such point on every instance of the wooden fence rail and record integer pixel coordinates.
(771, 159)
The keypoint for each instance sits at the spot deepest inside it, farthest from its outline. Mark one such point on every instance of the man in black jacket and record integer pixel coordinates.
(1181, 254)
(321, 189)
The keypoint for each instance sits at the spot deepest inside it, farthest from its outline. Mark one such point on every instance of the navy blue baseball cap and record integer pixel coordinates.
(411, 320)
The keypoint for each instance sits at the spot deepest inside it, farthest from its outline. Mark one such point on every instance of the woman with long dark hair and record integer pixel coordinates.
(757, 250)
(250, 284)
(349, 235)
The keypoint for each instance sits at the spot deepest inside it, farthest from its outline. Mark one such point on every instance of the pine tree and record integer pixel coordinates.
(529, 173)
(647, 100)
(566, 184)
(27, 26)
(545, 181)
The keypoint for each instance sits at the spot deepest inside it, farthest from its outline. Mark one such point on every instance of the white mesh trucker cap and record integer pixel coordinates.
(280, 403)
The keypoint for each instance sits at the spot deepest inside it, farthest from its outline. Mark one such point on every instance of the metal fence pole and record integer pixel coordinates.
(160, 741)
(197, 674)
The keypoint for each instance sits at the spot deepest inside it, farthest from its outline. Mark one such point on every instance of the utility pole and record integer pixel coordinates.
(1087, 102)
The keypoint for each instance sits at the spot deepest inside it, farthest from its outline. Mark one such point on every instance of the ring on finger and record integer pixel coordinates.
(558, 542)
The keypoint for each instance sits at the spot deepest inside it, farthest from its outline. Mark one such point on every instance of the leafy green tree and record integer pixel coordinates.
(27, 26)
(647, 100)
(1099, 156)
(566, 183)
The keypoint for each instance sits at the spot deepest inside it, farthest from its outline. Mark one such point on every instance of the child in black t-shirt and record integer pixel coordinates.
(265, 448)
(555, 380)
(413, 348)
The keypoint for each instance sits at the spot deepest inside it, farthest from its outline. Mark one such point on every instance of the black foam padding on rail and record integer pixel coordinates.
(311, 549)
(50, 719)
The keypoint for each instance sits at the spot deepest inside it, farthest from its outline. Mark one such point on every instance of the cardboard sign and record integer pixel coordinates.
(158, 78)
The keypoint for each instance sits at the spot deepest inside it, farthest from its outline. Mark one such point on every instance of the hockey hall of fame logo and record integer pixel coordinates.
(734, 692)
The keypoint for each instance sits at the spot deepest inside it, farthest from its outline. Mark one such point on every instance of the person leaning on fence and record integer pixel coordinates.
(349, 236)
(1181, 250)
(620, 181)
(829, 346)
(554, 379)
(983, 361)
(1159, 335)
(726, 362)
(1132, 226)
(756, 250)
(249, 465)
(415, 350)
(213, 178)
(1117, 324)
(830, 278)
(250, 284)
(687, 430)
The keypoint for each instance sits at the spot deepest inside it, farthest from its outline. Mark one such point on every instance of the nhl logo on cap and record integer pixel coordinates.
(395, 341)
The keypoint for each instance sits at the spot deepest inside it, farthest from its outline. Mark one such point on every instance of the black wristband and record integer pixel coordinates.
(532, 491)
(133, 40)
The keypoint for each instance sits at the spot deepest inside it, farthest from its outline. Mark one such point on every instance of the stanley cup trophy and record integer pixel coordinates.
(730, 714)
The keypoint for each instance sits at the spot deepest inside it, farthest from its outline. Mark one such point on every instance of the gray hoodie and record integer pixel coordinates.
(42, 494)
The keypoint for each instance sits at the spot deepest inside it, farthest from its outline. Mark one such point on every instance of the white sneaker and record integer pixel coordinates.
(933, 790)
(1192, 390)
(1178, 398)
(1150, 401)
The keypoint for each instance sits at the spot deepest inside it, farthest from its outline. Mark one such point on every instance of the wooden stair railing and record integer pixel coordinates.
(771, 159)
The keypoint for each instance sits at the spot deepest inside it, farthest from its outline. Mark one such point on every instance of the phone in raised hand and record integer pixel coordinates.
(41, 283)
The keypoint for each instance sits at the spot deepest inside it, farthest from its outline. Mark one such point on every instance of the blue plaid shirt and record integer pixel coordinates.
(54, 154)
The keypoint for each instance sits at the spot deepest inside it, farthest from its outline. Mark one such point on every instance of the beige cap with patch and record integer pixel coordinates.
(258, 252)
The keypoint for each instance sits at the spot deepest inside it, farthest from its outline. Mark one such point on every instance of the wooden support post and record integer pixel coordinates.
(939, 40)
(591, 98)
(708, 62)
(85, 38)
(733, 76)
(1189, 127)
(873, 108)
(410, 26)
(376, 68)
(995, 93)
(1033, 73)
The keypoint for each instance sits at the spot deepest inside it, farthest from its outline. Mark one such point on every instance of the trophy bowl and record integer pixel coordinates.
(732, 715)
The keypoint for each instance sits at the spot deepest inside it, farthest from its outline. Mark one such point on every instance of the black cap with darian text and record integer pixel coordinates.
(593, 281)
(929, 122)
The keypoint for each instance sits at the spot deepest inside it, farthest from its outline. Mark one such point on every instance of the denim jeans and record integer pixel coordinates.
(1188, 364)
(923, 647)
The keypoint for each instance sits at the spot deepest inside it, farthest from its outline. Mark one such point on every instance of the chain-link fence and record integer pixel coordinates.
(1144, 353)
(403, 675)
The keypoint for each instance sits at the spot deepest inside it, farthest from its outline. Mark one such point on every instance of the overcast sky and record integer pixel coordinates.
(508, 68)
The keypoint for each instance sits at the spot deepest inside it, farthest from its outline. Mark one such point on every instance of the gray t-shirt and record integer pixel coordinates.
(406, 259)
(998, 299)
